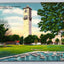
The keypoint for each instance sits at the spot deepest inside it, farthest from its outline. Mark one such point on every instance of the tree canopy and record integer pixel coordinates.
(2, 33)
(12, 38)
(30, 39)
(44, 38)
(15, 37)
(51, 17)
(62, 34)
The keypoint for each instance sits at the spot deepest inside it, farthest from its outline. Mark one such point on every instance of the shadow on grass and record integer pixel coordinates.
(4, 46)
(5, 53)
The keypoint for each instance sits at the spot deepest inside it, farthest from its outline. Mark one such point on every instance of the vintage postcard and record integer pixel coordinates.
(32, 32)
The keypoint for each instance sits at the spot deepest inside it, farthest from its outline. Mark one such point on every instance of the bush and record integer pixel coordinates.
(21, 40)
(57, 40)
(49, 42)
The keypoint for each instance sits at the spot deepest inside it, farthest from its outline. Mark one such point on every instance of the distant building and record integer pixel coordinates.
(27, 21)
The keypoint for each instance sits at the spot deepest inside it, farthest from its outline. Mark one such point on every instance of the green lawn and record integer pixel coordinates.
(18, 49)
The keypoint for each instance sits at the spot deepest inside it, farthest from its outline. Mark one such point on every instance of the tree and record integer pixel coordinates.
(62, 41)
(35, 41)
(57, 40)
(50, 35)
(3, 30)
(35, 37)
(51, 17)
(8, 38)
(15, 37)
(62, 34)
(28, 39)
(43, 39)
(6, 25)
(49, 42)
(21, 40)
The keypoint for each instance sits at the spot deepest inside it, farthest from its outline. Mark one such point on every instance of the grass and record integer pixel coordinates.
(18, 49)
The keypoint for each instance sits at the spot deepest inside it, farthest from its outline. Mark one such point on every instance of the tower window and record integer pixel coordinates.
(25, 17)
(25, 10)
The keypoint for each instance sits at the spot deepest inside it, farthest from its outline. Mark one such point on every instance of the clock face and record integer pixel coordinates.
(25, 17)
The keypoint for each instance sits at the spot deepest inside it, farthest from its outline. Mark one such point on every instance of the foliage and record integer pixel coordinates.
(62, 41)
(44, 38)
(8, 38)
(21, 40)
(12, 37)
(35, 37)
(57, 40)
(62, 34)
(50, 35)
(30, 39)
(49, 42)
(15, 37)
(35, 41)
(51, 17)
(2, 33)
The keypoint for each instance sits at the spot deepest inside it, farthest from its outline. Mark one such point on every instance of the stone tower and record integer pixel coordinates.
(27, 21)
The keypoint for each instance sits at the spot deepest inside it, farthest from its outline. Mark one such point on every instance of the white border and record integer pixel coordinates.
(21, 1)
(31, 62)
(6, 1)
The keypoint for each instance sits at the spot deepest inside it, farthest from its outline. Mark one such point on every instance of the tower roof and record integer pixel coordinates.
(27, 7)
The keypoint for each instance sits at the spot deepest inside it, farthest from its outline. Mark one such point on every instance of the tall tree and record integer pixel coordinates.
(52, 16)
(2, 33)
(6, 25)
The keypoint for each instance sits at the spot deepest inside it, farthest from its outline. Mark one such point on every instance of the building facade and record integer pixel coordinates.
(27, 19)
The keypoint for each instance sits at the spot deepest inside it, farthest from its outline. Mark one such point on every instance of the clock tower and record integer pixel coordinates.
(27, 21)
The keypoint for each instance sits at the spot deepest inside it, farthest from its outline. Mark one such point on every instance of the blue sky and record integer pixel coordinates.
(14, 16)
(34, 6)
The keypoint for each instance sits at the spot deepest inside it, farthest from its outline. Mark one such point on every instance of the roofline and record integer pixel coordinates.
(27, 7)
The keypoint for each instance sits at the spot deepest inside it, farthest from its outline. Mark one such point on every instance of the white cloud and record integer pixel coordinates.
(34, 13)
(35, 29)
(14, 19)
(35, 21)
(15, 22)
(14, 10)
(17, 11)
